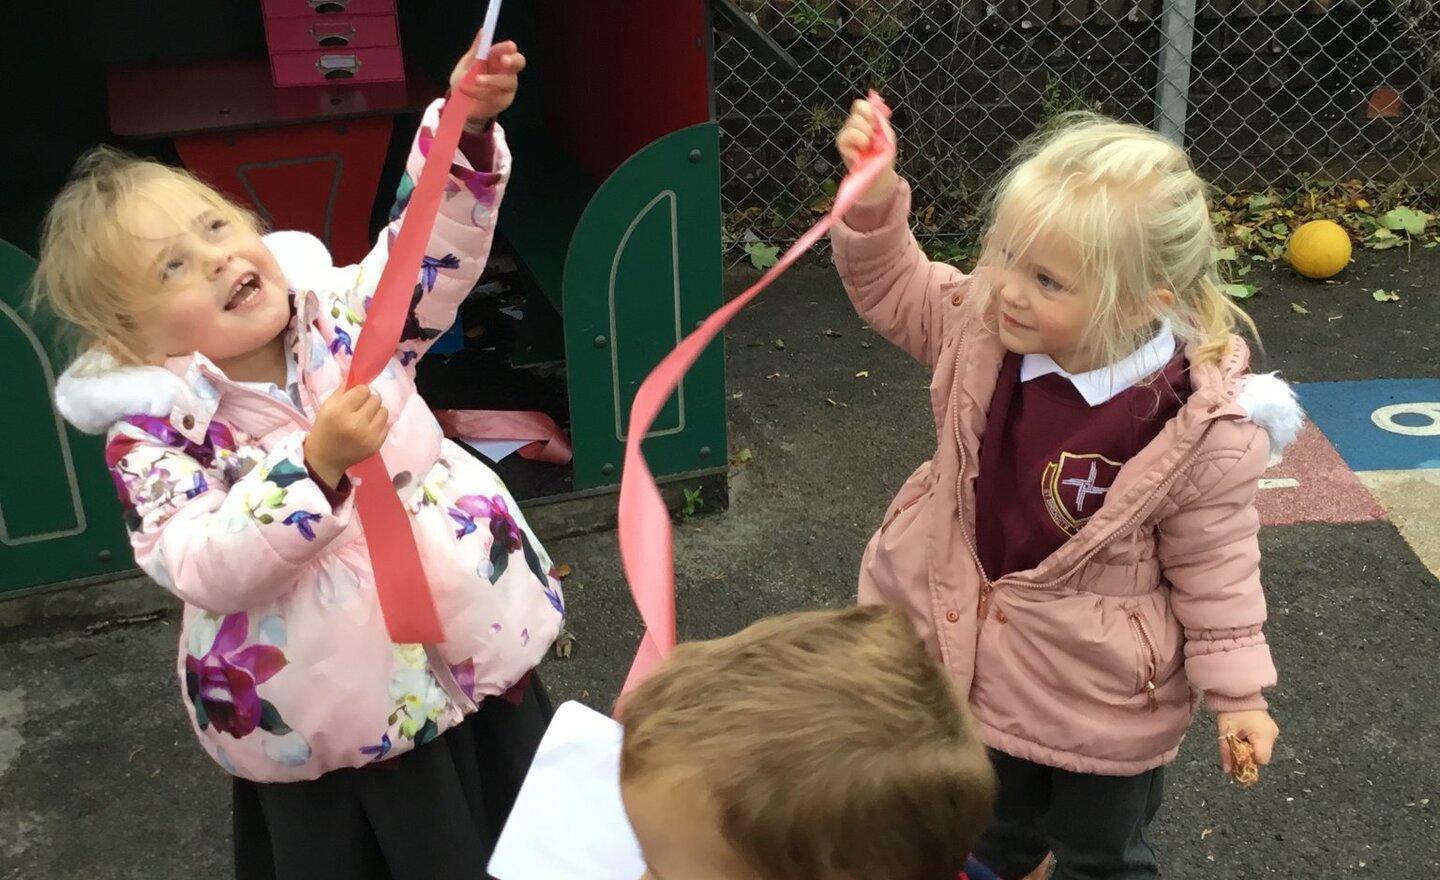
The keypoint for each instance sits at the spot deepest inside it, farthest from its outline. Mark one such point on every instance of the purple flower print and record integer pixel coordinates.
(465, 677)
(198, 485)
(342, 342)
(464, 524)
(497, 511)
(217, 437)
(481, 186)
(222, 683)
(378, 751)
(301, 519)
(552, 591)
(430, 268)
(506, 537)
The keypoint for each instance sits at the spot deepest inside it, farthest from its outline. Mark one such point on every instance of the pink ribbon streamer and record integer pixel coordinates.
(547, 442)
(647, 544)
(400, 582)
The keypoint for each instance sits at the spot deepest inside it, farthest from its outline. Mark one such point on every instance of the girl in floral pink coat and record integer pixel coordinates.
(214, 360)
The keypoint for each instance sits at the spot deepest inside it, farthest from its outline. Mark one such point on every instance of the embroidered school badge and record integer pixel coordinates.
(1074, 488)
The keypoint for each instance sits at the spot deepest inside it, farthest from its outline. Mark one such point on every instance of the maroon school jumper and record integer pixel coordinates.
(1048, 458)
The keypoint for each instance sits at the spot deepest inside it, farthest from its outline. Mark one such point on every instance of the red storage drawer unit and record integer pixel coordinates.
(335, 33)
(325, 66)
(315, 42)
(318, 9)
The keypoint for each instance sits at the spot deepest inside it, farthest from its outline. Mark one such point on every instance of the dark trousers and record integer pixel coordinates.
(1098, 827)
(431, 814)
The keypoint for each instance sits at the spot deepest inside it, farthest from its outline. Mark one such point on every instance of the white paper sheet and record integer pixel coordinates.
(569, 822)
(495, 450)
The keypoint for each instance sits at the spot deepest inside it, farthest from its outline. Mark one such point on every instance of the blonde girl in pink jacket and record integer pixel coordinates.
(1081, 551)
(214, 360)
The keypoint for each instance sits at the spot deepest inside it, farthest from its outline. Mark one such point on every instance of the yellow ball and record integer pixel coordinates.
(1319, 249)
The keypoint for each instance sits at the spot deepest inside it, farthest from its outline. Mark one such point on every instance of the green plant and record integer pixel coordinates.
(809, 15)
(693, 502)
(1062, 96)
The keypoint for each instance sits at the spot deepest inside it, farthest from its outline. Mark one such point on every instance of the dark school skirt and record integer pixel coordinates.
(432, 813)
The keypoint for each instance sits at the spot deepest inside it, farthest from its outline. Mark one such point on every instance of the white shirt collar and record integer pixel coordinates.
(1099, 386)
(281, 394)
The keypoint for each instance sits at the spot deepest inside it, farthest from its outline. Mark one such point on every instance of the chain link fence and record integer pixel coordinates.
(1265, 95)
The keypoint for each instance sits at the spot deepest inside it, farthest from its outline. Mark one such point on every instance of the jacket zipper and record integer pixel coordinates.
(1149, 671)
(986, 587)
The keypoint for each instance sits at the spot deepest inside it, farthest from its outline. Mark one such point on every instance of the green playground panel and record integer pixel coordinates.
(59, 515)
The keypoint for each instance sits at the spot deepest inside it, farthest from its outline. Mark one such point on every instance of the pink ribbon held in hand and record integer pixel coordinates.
(647, 544)
(400, 582)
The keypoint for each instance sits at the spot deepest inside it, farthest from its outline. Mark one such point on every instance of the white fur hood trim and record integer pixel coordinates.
(96, 391)
(1271, 403)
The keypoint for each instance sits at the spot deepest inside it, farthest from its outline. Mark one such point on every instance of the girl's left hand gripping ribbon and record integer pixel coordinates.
(400, 582)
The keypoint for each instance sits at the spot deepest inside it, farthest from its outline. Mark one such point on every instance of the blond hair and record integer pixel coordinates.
(830, 742)
(86, 273)
(1139, 217)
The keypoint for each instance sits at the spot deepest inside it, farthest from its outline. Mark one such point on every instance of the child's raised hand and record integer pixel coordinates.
(854, 141)
(493, 90)
(1254, 727)
(349, 428)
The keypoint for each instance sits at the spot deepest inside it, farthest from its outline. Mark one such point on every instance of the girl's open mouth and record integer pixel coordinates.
(246, 291)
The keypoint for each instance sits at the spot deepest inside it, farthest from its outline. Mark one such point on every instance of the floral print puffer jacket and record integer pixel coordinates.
(285, 665)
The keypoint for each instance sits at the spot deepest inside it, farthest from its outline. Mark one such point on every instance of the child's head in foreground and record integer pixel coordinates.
(825, 745)
(145, 262)
(1100, 230)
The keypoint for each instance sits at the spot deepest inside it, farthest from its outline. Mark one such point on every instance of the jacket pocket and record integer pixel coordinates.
(1147, 665)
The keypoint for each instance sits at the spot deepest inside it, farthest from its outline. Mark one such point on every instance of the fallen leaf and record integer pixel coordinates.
(779, 345)
(1205, 833)
(1299, 309)
(1239, 291)
(863, 374)
(1225, 253)
(831, 401)
(1383, 239)
(562, 571)
(1385, 296)
(564, 644)
(1406, 220)
(742, 456)
(762, 256)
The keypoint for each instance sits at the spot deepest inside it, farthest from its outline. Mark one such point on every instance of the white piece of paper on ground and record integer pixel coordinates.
(569, 822)
(495, 450)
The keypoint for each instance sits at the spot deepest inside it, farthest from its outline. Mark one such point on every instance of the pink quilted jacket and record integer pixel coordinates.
(285, 666)
(1091, 661)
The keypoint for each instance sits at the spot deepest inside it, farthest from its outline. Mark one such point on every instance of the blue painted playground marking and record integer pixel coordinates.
(1380, 424)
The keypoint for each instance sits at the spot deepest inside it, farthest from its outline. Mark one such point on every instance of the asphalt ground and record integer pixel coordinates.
(101, 778)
